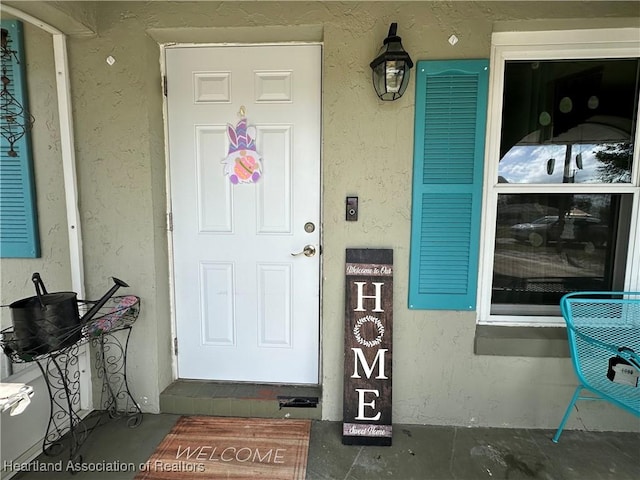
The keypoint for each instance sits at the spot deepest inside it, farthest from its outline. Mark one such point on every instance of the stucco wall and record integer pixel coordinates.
(367, 150)
(121, 177)
(22, 432)
(53, 264)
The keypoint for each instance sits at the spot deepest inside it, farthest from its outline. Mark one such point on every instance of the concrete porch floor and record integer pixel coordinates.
(418, 452)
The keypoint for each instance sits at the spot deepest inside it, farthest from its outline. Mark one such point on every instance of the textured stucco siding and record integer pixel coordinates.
(367, 150)
(21, 432)
(53, 264)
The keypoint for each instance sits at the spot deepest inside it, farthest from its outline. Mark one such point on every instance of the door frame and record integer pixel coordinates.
(168, 212)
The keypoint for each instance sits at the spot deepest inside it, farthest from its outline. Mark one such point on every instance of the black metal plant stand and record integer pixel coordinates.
(111, 364)
(108, 334)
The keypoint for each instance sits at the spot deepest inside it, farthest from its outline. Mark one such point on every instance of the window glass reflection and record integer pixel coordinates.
(568, 121)
(551, 244)
(580, 163)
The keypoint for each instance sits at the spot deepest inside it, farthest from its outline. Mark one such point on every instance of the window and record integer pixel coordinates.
(561, 172)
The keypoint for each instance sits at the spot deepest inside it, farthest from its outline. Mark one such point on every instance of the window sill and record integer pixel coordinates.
(521, 341)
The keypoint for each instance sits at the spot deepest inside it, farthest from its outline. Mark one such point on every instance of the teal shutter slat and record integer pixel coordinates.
(18, 219)
(451, 109)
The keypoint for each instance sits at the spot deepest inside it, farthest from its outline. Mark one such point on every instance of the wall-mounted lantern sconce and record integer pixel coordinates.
(391, 67)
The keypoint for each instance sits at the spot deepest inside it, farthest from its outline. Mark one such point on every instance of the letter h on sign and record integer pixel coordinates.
(368, 332)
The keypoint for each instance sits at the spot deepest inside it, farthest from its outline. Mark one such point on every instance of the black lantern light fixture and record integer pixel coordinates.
(391, 67)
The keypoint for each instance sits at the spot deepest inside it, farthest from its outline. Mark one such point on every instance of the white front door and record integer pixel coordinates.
(246, 308)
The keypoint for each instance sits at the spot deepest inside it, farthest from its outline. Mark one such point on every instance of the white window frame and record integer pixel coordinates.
(548, 45)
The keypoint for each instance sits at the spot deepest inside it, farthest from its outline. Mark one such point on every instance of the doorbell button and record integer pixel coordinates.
(352, 209)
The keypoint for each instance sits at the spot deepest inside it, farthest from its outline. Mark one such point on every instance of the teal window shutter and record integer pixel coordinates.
(451, 110)
(18, 219)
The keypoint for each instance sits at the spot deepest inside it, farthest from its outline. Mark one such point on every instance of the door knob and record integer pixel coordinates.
(308, 251)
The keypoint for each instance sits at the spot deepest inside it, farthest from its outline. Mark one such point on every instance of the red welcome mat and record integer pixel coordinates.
(231, 448)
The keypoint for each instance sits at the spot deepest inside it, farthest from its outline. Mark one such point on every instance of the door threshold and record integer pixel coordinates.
(240, 399)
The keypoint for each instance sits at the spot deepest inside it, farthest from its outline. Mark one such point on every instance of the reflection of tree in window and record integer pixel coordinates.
(615, 163)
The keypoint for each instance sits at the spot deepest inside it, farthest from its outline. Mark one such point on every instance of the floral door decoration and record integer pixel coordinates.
(243, 163)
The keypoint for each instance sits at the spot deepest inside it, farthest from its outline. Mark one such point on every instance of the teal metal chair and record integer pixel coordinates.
(603, 329)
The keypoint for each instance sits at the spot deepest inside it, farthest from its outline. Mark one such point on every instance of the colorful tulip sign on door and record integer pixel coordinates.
(243, 163)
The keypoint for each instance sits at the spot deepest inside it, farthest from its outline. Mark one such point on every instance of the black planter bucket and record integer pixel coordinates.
(46, 322)
(51, 321)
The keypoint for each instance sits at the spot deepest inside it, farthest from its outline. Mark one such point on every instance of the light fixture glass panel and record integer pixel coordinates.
(394, 74)
(379, 79)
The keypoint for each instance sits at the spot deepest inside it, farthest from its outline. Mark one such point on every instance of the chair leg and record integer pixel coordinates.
(575, 397)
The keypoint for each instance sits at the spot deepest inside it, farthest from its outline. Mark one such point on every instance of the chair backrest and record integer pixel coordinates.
(584, 311)
(598, 325)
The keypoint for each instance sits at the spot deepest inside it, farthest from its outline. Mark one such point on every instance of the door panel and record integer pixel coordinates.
(246, 309)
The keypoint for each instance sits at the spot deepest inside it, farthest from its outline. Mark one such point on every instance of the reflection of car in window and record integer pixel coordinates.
(547, 229)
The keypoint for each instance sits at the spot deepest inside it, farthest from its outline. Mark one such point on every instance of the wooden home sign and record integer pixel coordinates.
(367, 347)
